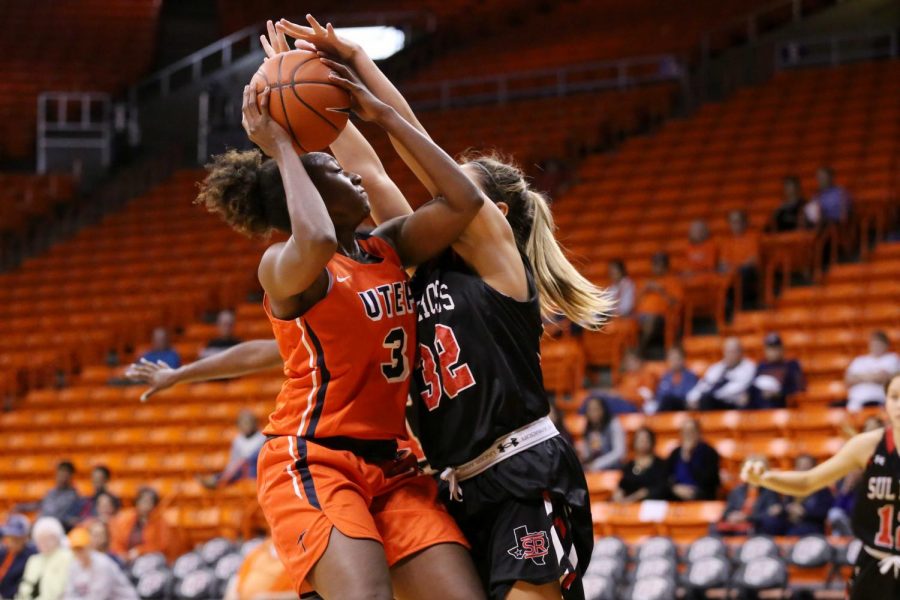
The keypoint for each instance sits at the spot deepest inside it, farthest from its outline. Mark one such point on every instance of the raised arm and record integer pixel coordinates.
(242, 359)
(854, 455)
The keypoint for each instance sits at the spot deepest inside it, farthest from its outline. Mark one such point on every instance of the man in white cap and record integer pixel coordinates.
(94, 575)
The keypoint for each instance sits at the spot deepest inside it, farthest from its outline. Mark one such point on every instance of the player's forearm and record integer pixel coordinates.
(791, 483)
(311, 226)
(242, 359)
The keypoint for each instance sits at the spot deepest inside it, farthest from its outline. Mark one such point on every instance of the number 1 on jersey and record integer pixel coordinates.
(887, 535)
(453, 377)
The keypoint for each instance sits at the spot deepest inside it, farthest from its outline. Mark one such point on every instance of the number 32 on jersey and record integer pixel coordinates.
(443, 374)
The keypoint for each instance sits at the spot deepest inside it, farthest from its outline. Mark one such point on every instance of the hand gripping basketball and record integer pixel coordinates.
(362, 102)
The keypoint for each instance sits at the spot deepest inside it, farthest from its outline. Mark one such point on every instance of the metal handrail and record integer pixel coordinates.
(242, 43)
(499, 88)
(58, 131)
(802, 52)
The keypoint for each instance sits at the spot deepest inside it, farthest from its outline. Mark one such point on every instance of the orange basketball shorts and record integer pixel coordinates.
(305, 489)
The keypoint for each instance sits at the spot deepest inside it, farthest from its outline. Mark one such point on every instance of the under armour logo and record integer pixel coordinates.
(512, 443)
(530, 546)
(879, 460)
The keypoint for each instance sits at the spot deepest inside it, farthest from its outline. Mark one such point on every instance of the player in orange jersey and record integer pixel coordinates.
(342, 508)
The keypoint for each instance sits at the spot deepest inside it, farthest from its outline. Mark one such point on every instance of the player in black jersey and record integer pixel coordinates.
(876, 515)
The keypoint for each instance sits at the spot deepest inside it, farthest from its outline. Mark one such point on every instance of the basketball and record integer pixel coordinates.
(303, 100)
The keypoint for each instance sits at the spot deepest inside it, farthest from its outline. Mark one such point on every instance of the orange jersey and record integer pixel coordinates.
(348, 358)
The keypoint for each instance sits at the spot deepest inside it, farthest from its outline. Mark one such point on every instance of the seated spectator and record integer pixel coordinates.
(806, 516)
(868, 374)
(100, 480)
(47, 571)
(776, 377)
(789, 216)
(603, 444)
(833, 202)
(225, 339)
(659, 294)
(621, 289)
(143, 530)
(751, 509)
(693, 467)
(726, 384)
(62, 502)
(638, 381)
(14, 553)
(262, 575)
(739, 252)
(162, 351)
(105, 508)
(560, 424)
(701, 254)
(676, 382)
(93, 575)
(244, 451)
(644, 477)
(99, 532)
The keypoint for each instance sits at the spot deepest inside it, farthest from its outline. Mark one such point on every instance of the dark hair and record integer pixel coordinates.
(66, 465)
(103, 469)
(117, 504)
(662, 257)
(246, 191)
(604, 421)
(792, 179)
(678, 348)
(620, 265)
(649, 432)
(881, 336)
(146, 490)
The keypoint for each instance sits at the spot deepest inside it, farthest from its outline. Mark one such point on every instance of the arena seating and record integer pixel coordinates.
(27, 198)
(61, 53)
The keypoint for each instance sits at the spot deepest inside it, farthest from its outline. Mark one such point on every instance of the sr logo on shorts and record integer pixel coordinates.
(530, 546)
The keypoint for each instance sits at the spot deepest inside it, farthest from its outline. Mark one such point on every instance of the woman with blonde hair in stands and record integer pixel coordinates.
(47, 572)
(876, 514)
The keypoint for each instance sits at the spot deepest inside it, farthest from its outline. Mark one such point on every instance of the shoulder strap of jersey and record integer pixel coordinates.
(379, 247)
(888, 439)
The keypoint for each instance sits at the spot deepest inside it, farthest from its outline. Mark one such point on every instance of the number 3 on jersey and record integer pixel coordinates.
(453, 377)
(398, 369)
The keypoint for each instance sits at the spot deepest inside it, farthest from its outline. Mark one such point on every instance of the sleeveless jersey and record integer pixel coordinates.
(348, 358)
(478, 376)
(876, 515)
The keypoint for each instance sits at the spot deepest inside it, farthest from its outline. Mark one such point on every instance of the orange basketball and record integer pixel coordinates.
(303, 100)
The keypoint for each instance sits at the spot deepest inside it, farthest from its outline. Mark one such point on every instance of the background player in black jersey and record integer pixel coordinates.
(876, 516)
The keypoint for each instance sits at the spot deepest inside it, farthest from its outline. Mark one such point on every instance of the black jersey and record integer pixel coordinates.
(478, 375)
(876, 515)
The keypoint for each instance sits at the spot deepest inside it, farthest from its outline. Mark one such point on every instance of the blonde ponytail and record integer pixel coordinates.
(562, 289)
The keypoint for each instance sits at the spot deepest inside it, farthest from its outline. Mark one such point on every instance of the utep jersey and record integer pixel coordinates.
(348, 358)
(876, 515)
(478, 375)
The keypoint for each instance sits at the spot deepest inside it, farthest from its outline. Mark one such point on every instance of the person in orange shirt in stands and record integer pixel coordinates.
(143, 529)
(658, 295)
(638, 381)
(702, 253)
(740, 252)
(262, 575)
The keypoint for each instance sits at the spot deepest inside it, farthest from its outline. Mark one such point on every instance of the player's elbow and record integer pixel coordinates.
(320, 246)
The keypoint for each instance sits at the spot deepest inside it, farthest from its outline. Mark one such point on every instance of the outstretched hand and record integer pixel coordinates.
(159, 375)
(323, 38)
(363, 102)
(275, 42)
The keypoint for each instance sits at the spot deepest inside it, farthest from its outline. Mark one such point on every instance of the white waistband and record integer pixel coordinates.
(509, 445)
(886, 561)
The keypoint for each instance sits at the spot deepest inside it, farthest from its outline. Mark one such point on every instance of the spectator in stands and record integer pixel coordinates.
(739, 252)
(47, 571)
(14, 553)
(726, 384)
(693, 467)
(99, 532)
(776, 378)
(93, 575)
(644, 477)
(226, 338)
(244, 451)
(621, 288)
(62, 502)
(661, 293)
(676, 382)
(143, 529)
(867, 374)
(702, 254)
(162, 351)
(789, 216)
(638, 381)
(100, 480)
(806, 516)
(105, 508)
(560, 424)
(262, 575)
(603, 443)
(833, 201)
(751, 509)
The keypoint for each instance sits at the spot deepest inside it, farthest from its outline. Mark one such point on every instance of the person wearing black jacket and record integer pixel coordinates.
(693, 467)
(644, 477)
